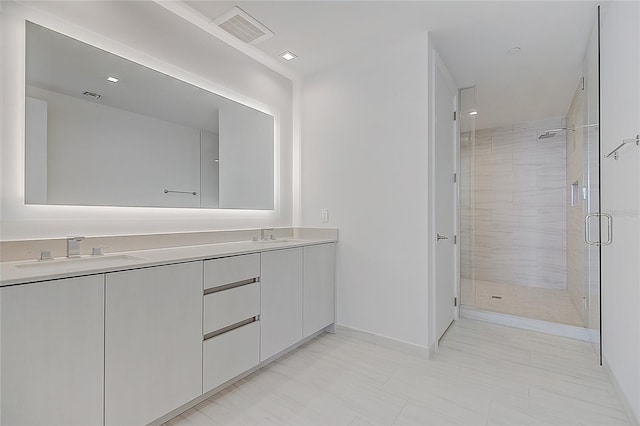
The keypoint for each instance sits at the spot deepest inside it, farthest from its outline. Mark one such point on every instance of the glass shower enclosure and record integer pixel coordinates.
(530, 222)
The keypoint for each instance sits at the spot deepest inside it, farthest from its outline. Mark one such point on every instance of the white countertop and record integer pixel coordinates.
(21, 272)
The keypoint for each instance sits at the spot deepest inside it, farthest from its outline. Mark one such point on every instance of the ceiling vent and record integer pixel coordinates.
(243, 26)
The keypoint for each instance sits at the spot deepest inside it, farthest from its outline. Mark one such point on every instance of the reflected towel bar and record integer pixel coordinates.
(624, 142)
(166, 191)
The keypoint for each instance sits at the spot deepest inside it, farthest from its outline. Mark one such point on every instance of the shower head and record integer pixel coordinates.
(547, 134)
(551, 133)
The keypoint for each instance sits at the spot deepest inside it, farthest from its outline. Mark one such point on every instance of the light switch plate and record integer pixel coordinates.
(324, 215)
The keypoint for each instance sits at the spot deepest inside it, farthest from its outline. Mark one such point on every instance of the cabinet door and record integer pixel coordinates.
(52, 352)
(319, 287)
(153, 342)
(281, 301)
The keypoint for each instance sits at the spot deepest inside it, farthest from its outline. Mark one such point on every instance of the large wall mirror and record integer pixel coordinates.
(105, 131)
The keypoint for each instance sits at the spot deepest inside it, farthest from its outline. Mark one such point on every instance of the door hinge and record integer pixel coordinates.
(455, 239)
(455, 115)
(455, 301)
(455, 177)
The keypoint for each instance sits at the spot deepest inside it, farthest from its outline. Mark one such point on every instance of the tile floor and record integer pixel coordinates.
(483, 374)
(545, 304)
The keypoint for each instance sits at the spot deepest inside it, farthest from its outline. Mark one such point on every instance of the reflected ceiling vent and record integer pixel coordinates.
(243, 26)
(92, 95)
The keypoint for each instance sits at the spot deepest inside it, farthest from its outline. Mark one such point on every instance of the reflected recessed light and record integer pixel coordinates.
(287, 56)
(474, 112)
(113, 79)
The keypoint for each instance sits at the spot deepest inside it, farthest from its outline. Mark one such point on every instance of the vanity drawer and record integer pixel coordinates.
(228, 307)
(228, 270)
(230, 354)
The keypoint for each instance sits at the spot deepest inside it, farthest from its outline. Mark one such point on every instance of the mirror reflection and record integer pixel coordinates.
(101, 130)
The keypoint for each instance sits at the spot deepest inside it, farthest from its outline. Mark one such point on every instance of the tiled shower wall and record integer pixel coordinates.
(576, 206)
(583, 261)
(513, 205)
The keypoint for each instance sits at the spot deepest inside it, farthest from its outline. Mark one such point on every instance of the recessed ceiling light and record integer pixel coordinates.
(287, 56)
(514, 51)
(113, 79)
(473, 112)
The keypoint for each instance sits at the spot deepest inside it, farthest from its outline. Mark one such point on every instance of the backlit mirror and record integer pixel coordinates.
(101, 130)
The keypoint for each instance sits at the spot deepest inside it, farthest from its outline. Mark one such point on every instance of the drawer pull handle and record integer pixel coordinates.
(231, 285)
(229, 328)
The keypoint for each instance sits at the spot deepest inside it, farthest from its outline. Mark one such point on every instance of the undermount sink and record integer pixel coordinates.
(79, 262)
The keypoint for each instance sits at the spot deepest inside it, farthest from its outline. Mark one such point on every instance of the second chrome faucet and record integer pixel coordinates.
(73, 246)
(267, 231)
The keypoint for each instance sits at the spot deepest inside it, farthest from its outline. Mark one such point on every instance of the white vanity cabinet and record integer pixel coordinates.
(129, 346)
(153, 341)
(52, 352)
(231, 310)
(319, 287)
(281, 300)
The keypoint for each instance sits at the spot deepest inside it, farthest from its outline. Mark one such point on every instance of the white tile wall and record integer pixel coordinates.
(513, 192)
(576, 172)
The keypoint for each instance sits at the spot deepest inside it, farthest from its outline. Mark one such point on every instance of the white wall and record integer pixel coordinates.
(364, 158)
(620, 119)
(36, 150)
(138, 31)
(209, 170)
(100, 155)
(245, 154)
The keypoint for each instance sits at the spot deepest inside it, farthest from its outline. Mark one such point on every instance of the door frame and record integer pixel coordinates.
(438, 65)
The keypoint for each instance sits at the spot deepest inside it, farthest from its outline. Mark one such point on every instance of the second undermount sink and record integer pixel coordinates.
(86, 262)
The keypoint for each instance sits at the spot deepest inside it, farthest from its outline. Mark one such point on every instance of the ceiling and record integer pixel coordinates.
(472, 37)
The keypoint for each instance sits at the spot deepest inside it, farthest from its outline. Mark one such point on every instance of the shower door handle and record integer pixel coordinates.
(587, 229)
(609, 229)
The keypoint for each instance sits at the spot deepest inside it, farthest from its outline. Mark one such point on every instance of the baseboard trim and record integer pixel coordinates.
(616, 385)
(432, 350)
(387, 342)
(594, 335)
(540, 326)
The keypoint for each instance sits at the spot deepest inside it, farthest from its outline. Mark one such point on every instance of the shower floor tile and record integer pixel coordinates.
(545, 304)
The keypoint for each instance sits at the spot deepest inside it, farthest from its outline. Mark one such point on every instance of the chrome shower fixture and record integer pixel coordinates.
(549, 133)
(552, 132)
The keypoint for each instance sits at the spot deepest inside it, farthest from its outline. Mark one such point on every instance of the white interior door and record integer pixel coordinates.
(445, 202)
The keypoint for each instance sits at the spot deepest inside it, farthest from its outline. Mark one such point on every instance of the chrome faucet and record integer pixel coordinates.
(73, 246)
(263, 234)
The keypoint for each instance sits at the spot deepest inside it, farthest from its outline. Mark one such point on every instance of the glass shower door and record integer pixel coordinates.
(595, 223)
